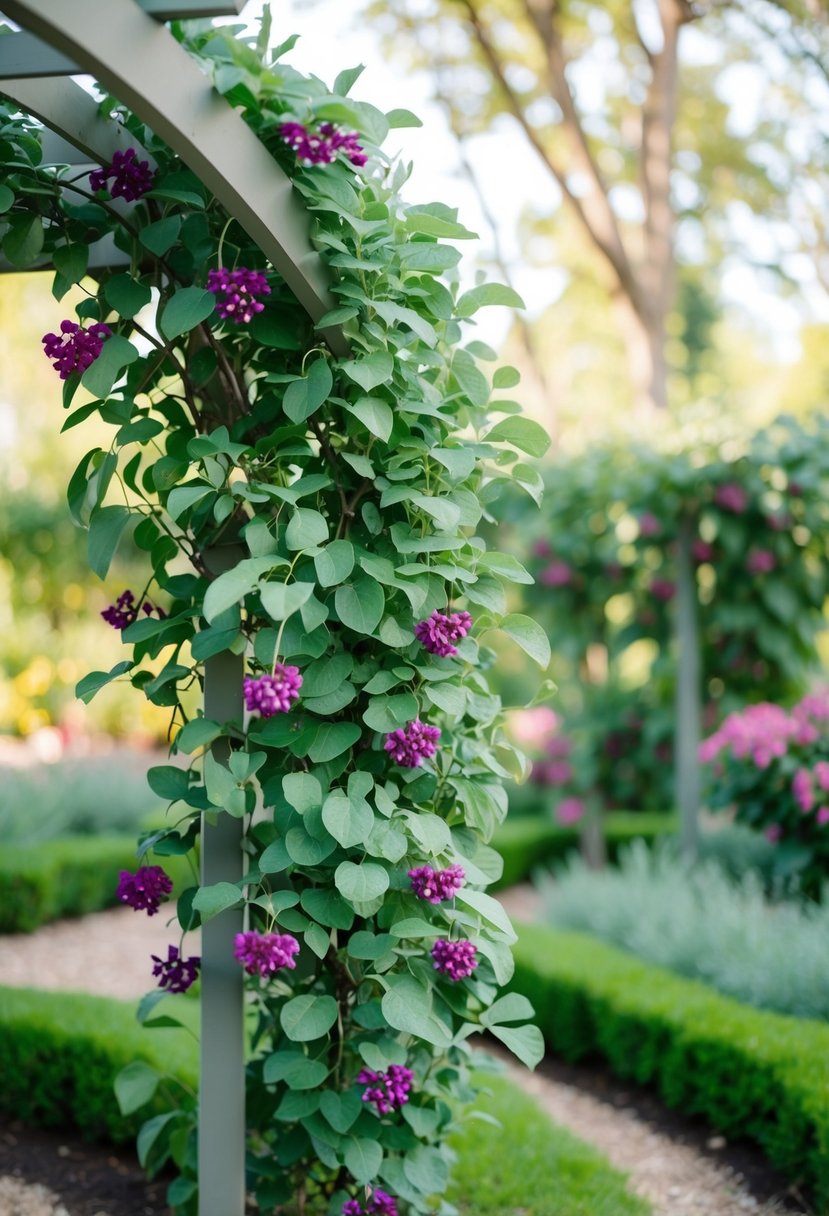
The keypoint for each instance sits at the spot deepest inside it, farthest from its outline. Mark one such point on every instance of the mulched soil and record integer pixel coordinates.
(760, 1178)
(91, 1179)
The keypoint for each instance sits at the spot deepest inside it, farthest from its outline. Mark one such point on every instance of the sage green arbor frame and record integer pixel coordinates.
(125, 46)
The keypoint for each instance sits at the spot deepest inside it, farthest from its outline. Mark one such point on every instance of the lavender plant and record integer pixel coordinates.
(368, 770)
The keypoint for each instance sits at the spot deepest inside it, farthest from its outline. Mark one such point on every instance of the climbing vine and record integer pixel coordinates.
(368, 768)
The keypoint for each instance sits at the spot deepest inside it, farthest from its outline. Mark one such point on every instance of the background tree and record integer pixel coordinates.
(653, 167)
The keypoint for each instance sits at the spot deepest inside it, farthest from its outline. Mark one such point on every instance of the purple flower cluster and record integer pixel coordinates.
(439, 633)
(649, 525)
(701, 551)
(131, 177)
(765, 731)
(75, 349)
(265, 953)
(275, 693)
(387, 1090)
(236, 293)
(569, 811)
(176, 974)
(663, 589)
(760, 561)
(557, 574)
(456, 960)
(125, 610)
(413, 743)
(732, 497)
(145, 890)
(320, 147)
(436, 885)
(380, 1204)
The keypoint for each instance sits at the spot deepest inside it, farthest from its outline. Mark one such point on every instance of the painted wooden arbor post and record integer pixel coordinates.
(123, 44)
(687, 713)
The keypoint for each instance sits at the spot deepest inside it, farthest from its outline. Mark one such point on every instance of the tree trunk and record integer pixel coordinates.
(644, 339)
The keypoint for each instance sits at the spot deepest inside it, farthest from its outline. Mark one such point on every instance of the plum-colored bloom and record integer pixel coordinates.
(274, 693)
(663, 589)
(439, 632)
(456, 960)
(552, 772)
(803, 790)
(387, 1090)
(436, 885)
(131, 177)
(569, 811)
(75, 349)
(265, 953)
(237, 293)
(380, 1204)
(822, 815)
(176, 974)
(821, 773)
(649, 525)
(145, 890)
(320, 147)
(732, 497)
(760, 561)
(125, 610)
(413, 743)
(557, 574)
(761, 731)
(701, 551)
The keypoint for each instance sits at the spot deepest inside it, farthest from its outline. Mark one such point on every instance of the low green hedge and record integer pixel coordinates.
(526, 843)
(59, 1054)
(752, 1074)
(64, 877)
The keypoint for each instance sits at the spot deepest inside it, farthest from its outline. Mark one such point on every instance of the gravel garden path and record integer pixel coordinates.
(670, 1165)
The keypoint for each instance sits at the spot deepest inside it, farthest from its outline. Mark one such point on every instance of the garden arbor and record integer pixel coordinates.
(125, 46)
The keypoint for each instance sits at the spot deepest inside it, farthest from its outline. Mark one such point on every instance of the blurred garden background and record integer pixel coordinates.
(653, 179)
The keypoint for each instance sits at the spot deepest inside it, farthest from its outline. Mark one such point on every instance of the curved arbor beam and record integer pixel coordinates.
(140, 63)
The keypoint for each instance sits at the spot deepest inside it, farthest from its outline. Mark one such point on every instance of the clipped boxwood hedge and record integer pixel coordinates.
(69, 876)
(59, 1055)
(60, 1052)
(752, 1074)
(525, 843)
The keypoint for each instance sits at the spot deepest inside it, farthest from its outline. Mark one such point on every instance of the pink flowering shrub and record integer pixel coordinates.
(772, 765)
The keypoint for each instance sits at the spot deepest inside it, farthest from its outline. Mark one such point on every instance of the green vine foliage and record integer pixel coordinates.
(353, 487)
(604, 558)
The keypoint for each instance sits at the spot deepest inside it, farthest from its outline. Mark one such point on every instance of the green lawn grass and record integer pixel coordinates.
(531, 1167)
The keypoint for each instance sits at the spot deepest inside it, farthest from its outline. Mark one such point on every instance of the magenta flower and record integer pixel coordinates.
(803, 790)
(701, 551)
(380, 1204)
(732, 497)
(822, 815)
(760, 561)
(436, 885)
(237, 293)
(663, 589)
(557, 574)
(821, 772)
(761, 731)
(125, 610)
(569, 811)
(413, 743)
(275, 693)
(131, 177)
(176, 974)
(387, 1090)
(320, 147)
(455, 960)
(75, 349)
(145, 890)
(440, 631)
(649, 525)
(265, 953)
